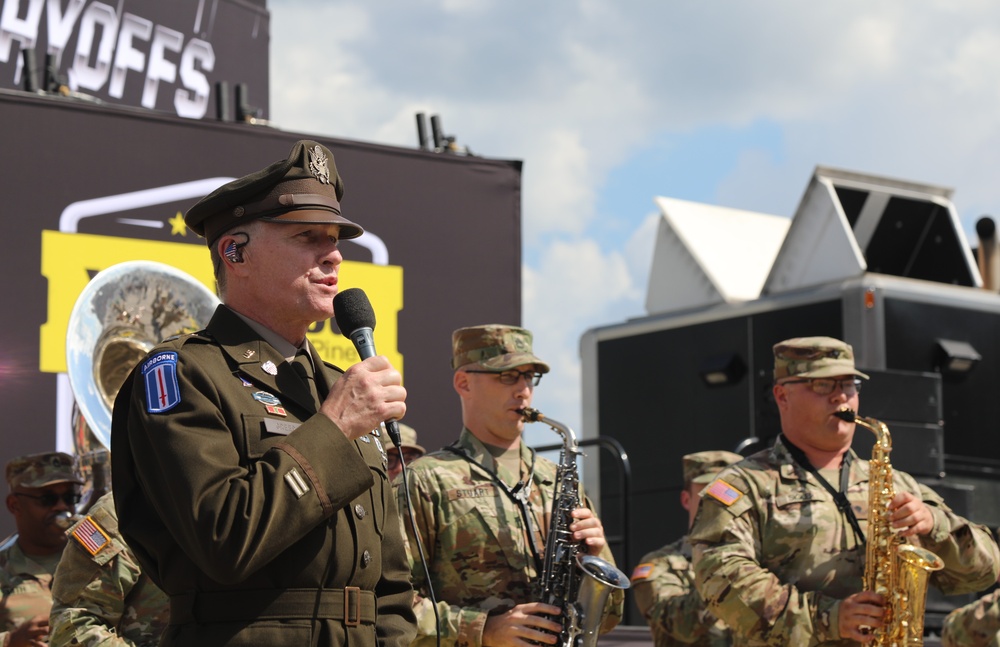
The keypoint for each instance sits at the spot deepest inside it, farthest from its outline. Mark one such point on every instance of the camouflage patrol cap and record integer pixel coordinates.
(307, 180)
(814, 357)
(495, 347)
(407, 439)
(701, 467)
(39, 470)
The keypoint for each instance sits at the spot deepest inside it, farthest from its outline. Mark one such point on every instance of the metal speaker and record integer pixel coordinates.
(120, 316)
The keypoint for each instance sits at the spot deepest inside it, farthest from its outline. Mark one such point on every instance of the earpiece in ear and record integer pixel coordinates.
(233, 253)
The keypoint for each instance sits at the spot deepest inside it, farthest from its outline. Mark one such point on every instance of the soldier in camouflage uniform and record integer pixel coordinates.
(482, 505)
(776, 558)
(411, 450)
(663, 582)
(975, 625)
(100, 595)
(44, 490)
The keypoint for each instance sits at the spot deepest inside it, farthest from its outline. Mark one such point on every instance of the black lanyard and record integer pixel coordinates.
(519, 494)
(840, 498)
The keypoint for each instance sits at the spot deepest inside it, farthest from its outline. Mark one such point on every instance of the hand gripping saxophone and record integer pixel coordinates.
(897, 570)
(571, 579)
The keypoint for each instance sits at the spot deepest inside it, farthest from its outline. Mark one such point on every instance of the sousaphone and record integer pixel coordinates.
(120, 316)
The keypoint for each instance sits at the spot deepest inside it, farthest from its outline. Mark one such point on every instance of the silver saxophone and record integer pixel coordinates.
(570, 579)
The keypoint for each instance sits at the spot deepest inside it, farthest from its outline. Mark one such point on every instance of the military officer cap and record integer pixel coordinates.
(408, 438)
(304, 188)
(39, 470)
(494, 347)
(814, 357)
(701, 467)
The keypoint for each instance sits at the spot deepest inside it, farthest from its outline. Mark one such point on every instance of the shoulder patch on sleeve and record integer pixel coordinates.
(90, 535)
(159, 372)
(642, 571)
(723, 492)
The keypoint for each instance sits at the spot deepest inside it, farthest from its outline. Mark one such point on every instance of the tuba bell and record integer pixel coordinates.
(122, 313)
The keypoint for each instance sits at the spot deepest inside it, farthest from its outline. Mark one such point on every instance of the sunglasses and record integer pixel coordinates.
(49, 499)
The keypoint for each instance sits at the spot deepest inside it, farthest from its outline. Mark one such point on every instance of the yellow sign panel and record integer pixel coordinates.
(70, 259)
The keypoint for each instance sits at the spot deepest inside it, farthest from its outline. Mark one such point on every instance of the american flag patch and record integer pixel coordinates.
(162, 391)
(91, 536)
(723, 492)
(642, 571)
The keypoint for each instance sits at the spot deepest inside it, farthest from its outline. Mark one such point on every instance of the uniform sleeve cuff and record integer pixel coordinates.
(470, 629)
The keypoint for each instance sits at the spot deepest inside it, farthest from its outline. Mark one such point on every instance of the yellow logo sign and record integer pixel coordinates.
(70, 259)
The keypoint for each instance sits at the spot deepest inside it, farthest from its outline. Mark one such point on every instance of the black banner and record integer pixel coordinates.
(165, 56)
(86, 187)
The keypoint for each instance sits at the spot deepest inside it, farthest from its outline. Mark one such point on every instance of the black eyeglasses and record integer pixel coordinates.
(393, 457)
(513, 377)
(49, 499)
(826, 385)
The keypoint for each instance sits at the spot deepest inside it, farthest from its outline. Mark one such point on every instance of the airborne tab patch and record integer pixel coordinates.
(90, 535)
(723, 492)
(160, 373)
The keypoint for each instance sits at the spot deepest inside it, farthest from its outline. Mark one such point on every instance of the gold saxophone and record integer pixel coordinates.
(897, 570)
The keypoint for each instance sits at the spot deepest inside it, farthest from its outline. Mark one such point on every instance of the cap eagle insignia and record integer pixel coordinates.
(318, 165)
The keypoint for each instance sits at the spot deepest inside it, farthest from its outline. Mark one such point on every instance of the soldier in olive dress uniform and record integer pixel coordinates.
(249, 476)
(44, 491)
(779, 539)
(100, 596)
(663, 582)
(483, 504)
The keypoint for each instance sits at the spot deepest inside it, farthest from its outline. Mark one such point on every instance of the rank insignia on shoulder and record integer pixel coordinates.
(160, 375)
(296, 483)
(723, 492)
(642, 571)
(91, 536)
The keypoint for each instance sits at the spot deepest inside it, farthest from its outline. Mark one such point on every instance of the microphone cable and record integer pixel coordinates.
(420, 547)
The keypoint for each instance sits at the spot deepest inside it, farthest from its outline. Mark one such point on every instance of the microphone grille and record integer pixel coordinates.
(353, 310)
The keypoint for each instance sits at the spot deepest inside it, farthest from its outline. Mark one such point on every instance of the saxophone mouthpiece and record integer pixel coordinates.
(846, 414)
(530, 415)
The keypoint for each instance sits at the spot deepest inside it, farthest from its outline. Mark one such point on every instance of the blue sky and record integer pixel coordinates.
(612, 103)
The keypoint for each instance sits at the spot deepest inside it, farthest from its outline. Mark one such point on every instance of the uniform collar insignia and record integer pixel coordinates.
(269, 368)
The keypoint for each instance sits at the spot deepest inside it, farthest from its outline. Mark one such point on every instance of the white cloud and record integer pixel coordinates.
(902, 88)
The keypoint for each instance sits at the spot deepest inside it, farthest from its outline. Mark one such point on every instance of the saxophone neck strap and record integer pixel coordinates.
(519, 494)
(840, 498)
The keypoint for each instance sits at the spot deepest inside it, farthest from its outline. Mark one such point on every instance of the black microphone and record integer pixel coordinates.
(356, 320)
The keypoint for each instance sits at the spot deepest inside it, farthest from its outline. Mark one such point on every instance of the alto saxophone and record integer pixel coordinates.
(571, 579)
(897, 570)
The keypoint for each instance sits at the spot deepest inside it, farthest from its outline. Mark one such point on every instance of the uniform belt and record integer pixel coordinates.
(351, 605)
